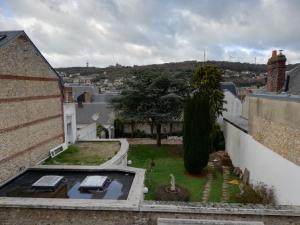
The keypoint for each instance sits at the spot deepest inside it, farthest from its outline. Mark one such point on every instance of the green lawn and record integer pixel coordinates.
(73, 156)
(216, 190)
(86, 153)
(168, 159)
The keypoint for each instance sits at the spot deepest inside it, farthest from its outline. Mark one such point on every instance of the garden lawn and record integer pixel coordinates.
(168, 160)
(86, 153)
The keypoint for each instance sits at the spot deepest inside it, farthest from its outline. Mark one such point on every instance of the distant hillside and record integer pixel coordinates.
(183, 69)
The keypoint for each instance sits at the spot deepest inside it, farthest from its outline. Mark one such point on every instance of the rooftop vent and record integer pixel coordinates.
(54, 152)
(93, 182)
(49, 181)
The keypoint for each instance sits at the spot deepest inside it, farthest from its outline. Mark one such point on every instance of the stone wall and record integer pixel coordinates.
(31, 113)
(177, 127)
(275, 123)
(147, 215)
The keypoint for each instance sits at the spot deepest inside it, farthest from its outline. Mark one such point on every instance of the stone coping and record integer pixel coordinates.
(275, 96)
(168, 221)
(220, 208)
(132, 202)
(116, 159)
(238, 122)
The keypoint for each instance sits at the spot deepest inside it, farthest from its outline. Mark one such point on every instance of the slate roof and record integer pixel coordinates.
(107, 97)
(229, 86)
(78, 90)
(294, 84)
(84, 114)
(9, 36)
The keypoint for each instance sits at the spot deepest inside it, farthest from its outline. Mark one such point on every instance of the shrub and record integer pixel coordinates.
(259, 194)
(100, 129)
(196, 137)
(218, 140)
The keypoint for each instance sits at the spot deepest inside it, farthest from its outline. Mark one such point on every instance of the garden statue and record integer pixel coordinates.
(172, 183)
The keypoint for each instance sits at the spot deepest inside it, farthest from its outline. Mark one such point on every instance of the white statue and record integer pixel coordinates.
(172, 183)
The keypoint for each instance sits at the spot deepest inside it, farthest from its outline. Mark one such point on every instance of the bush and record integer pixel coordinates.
(196, 137)
(101, 128)
(181, 195)
(259, 194)
(218, 140)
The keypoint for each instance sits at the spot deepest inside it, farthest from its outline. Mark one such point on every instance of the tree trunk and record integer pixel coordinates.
(158, 134)
(152, 127)
(171, 129)
(132, 129)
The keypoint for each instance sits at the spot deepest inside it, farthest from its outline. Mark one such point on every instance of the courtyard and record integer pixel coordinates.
(214, 185)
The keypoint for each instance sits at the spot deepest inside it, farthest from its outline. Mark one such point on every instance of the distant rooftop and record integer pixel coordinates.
(229, 86)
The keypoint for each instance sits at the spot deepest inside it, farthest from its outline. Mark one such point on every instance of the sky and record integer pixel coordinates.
(139, 32)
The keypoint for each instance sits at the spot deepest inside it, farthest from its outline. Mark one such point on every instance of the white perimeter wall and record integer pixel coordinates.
(87, 132)
(264, 165)
(233, 105)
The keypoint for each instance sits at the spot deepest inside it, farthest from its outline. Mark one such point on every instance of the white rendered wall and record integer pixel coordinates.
(264, 165)
(233, 105)
(70, 117)
(87, 132)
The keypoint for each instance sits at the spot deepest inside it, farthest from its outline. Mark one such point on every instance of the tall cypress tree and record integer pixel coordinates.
(197, 127)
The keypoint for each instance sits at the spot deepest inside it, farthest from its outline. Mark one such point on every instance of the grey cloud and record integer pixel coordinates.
(141, 31)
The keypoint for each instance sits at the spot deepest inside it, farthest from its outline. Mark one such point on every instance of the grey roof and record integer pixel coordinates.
(229, 86)
(78, 90)
(294, 84)
(9, 36)
(107, 97)
(105, 110)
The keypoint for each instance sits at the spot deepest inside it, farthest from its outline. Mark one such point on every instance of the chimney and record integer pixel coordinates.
(276, 71)
(68, 94)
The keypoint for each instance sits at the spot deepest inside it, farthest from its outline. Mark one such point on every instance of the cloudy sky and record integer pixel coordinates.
(103, 32)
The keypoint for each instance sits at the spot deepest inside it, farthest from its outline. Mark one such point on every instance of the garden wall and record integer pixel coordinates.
(147, 214)
(232, 105)
(86, 131)
(264, 164)
(274, 121)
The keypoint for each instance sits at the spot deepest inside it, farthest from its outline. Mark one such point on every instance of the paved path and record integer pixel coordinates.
(225, 186)
(208, 184)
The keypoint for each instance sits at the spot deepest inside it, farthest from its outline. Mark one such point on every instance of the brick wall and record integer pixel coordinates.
(31, 116)
(276, 72)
